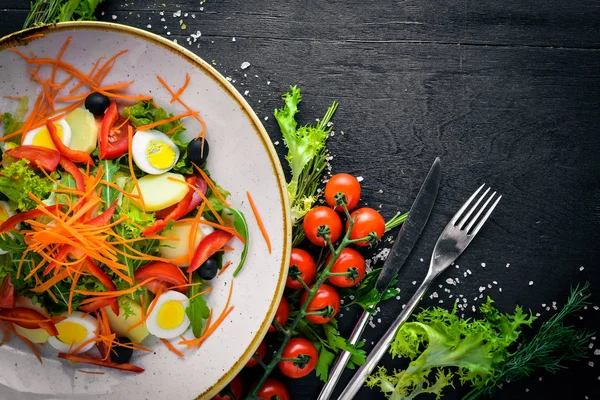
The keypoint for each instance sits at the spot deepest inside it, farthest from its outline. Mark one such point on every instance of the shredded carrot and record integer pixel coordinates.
(199, 293)
(18, 98)
(211, 328)
(113, 293)
(187, 108)
(259, 221)
(164, 121)
(224, 267)
(205, 200)
(90, 75)
(34, 36)
(104, 89)
(91, 372)
(181, 89)
(172, 348)
(212, 186)
(173, 130)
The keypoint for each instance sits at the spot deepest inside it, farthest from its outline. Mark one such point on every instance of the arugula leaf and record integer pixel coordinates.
(241, 226)
(110, 167)
(18, 180)
(197, 311)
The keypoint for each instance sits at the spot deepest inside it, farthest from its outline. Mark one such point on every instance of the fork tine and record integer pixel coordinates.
(464, 220)
(485, 217)
(479, 212)
(464, 206)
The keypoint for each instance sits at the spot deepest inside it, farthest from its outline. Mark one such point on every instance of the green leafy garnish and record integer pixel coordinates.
(437, 340)
(50, 11)
(307, 153)
(241, 226)
(197, 311)
(367, 296)
(14, 122)
(18, 180)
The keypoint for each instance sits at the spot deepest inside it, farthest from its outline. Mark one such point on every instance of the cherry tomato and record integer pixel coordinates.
(113, 138)
(326, 296)
(282, 315)
(322, 216)
(261, 352)
(367, 221)
(346, 184)
(349, 258)
(41, 157)
(273, 389)
(294, 348)
(305, 264)
(235, 386)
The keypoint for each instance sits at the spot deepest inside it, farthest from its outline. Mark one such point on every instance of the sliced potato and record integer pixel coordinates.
(120, 325)
(159, 191)
(84, 130)
(179, 249)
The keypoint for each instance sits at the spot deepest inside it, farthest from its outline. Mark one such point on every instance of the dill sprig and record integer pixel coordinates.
(555, 344)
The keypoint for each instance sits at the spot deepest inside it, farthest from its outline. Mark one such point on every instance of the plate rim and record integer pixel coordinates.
(24, 36)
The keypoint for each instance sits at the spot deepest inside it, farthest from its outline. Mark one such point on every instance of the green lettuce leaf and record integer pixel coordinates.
(18, 180)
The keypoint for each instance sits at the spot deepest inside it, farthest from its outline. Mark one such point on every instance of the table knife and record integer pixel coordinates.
(405, 241)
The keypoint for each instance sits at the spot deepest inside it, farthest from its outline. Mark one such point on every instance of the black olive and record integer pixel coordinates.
(196, 153)
(209, 269)
(120, 354)
(97, 103)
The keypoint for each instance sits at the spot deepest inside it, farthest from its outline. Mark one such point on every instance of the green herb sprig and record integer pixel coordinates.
(44, 12)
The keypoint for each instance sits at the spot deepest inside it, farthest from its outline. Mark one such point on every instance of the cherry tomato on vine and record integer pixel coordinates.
(282, 314)
(261, 352)
(235, 386)
(346, 184)
(318, 216)
(295, 348)
(326, 296)
(367, 221)
(272, 389)
(305, 263)
(348, 259)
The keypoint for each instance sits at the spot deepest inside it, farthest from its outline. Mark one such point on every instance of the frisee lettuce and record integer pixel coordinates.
(438, 340)
(18, 180)
(307, 152)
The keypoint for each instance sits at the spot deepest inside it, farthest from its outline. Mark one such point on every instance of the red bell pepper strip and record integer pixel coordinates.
(64, 150)
(41, 157)
(99, 303)
(104, 218)
(72, 169)
(7, 293)
(178, 212)
(209, 245)
(104, 279)
(102, 363)
(163, 272)
(11, 223)
(29, 319)
(59, 257)
(195, 202)
(108, 122)
(155, 286)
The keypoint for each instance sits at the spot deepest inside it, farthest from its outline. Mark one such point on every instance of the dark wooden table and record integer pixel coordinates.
(505, 92)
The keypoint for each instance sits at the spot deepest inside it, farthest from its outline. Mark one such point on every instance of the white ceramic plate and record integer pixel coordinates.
(242, 159)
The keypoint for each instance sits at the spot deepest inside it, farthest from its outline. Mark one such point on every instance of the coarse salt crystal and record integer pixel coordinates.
(489, 286)
(581, 268)
(597, 352)
(465, 274)
(473, 308)
(414, 282)
(483, 265)
(149, 26)
(481, 288)
(266, 118)
(450, 281)
(420, 259)
(591, 363)
(268, 82)
(434, 295)
(360, 178)
(499, 289)
(507, 265)
(596, 308)
(114, 17)
(246, 93)
(591, 345)
(233, 39)
(397, 297)
(495, 282)
(469, 272)
(177, 14)
(537, 314)
(441, 301)
(245, 65)
(530, 283)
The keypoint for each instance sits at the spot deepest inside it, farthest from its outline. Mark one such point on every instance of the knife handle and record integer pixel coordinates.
(381, 347)
(343, 358)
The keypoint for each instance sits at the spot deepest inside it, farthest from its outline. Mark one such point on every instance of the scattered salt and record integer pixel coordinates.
(434, 295)
(597, 352)
(469, 272)
(360, 178)
(591, 363)
(177, 14)
(266, 118)
(507, 265)
(149, 26)
(581, 268)
(233, 39)
(414, 282)
(246, 93)
(450, 281)
(483, 265)
(489, 286)
(537, 314)
(481, 288)
(530, 283)
(495, 282)
(114, 17)
(245, 65)
(473, 308)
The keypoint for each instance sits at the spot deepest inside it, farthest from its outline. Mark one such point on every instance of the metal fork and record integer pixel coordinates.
(453, 240)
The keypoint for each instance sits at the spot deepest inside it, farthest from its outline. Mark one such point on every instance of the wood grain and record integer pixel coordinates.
(505, 92)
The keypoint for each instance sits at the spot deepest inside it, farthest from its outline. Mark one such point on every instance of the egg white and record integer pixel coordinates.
(88, 322)
(66, 129)
(152, 323)
(139, 150)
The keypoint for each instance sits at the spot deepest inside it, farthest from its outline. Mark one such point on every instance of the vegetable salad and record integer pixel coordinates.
(110, 225)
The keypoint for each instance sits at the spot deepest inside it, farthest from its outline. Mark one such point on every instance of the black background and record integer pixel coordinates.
(505, 92)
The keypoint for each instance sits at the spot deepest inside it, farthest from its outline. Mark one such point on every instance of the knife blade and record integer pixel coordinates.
(412, 227)
(405, 241)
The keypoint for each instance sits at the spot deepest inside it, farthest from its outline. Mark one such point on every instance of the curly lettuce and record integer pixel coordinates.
(307, 152)
(18, 180)
(442, 347)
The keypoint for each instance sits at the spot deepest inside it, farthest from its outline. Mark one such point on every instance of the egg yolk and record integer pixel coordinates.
(71, 332)
(42, 137)
(3, 214)
(160, 155)
(170, 315)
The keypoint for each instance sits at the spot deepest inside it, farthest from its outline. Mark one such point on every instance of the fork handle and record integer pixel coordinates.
(357, 381)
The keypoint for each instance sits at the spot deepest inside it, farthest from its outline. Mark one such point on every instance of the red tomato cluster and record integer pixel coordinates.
(348, 270)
